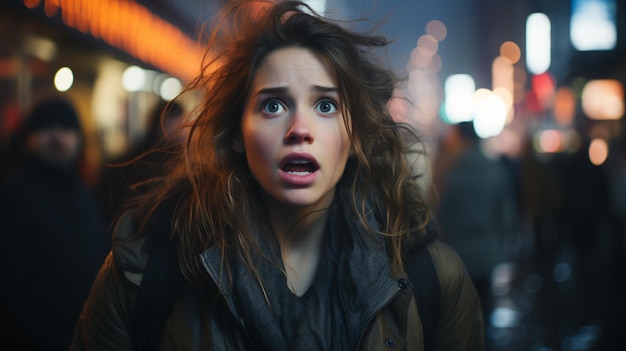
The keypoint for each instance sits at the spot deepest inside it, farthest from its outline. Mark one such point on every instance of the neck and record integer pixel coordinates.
(300, 234)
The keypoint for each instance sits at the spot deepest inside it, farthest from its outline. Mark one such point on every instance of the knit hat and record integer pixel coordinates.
(50, 113)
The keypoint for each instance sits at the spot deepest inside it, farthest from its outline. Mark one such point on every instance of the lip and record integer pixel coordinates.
(297, 179)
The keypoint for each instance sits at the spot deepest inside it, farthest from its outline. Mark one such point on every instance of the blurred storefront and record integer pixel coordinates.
(114, 59)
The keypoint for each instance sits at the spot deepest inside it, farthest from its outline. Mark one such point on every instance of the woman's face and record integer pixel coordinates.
(294, 136)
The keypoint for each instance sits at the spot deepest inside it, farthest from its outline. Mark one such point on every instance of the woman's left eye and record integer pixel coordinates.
(326, 106)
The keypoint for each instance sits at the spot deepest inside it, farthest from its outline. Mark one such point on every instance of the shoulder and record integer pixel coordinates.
(447, 262)
(460, 318)
(453, 277)
(105, 318)
(450, 269)
(128, 249)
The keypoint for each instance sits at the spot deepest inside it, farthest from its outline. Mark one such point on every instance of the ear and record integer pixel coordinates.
(238, 145)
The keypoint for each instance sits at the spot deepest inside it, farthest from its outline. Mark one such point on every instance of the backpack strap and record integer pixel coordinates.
(423, 276)
(155, 299)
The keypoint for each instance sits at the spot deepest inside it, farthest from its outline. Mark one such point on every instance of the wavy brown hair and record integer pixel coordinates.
(211, 195)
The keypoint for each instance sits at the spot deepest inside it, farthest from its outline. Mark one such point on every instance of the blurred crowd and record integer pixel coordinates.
(543, 236)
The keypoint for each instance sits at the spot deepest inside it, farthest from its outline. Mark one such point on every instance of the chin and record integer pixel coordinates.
(306, 201)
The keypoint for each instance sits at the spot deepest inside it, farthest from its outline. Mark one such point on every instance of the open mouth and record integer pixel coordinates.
(299, 167)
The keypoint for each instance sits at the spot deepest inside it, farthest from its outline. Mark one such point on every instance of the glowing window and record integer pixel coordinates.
(592, 25)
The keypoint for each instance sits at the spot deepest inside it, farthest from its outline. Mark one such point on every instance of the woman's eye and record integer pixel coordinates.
(273, 106)
(326, 106)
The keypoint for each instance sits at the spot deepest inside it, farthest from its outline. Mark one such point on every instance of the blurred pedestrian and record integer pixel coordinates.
(583, 228)
(584, 212)
(52, 237)
(477, 206)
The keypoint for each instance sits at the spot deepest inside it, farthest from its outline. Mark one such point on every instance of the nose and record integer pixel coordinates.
(300, 130)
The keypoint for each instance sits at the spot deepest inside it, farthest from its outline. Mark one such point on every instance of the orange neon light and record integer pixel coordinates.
(130, 27)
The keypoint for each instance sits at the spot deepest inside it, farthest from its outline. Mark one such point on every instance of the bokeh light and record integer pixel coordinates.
(133, 78)
(63, 79)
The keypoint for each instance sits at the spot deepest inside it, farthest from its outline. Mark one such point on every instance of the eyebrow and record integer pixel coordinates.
(269, 91)
(324, 89)
(282, 90)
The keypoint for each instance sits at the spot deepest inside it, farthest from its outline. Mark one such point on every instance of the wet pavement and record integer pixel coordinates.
(561, 300)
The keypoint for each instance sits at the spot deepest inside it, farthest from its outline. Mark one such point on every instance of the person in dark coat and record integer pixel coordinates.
(477, 207)
(52, 237)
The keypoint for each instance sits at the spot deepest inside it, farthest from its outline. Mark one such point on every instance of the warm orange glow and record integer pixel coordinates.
(51, 7)
(519, 84)
(31, 4)
(603, 99)
(8, 67)
(598, 151)
(510, 51)
(564, 106)
(550, 141)
(502, 74)
(131, 27)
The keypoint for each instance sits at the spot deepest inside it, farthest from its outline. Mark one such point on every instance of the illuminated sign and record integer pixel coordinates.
(132, 28)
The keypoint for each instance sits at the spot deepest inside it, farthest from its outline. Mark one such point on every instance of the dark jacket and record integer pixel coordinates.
(52, 242)
(375, 304)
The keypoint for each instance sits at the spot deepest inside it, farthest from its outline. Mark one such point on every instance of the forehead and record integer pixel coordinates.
(294, 65)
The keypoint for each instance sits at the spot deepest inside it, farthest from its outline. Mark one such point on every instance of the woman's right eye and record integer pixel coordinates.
(273, 106)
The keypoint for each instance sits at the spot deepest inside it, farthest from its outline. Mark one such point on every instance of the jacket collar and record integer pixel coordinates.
(363, 278)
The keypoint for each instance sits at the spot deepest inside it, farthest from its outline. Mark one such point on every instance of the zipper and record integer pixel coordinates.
(385, 301)
(229, 303)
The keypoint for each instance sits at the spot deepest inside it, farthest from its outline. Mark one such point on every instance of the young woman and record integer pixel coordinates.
(292, 212)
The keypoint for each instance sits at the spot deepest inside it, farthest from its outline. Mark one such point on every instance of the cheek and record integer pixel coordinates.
(256, 141)
(347, 151)
(259, 144)
(344, 140)
(341, 143)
